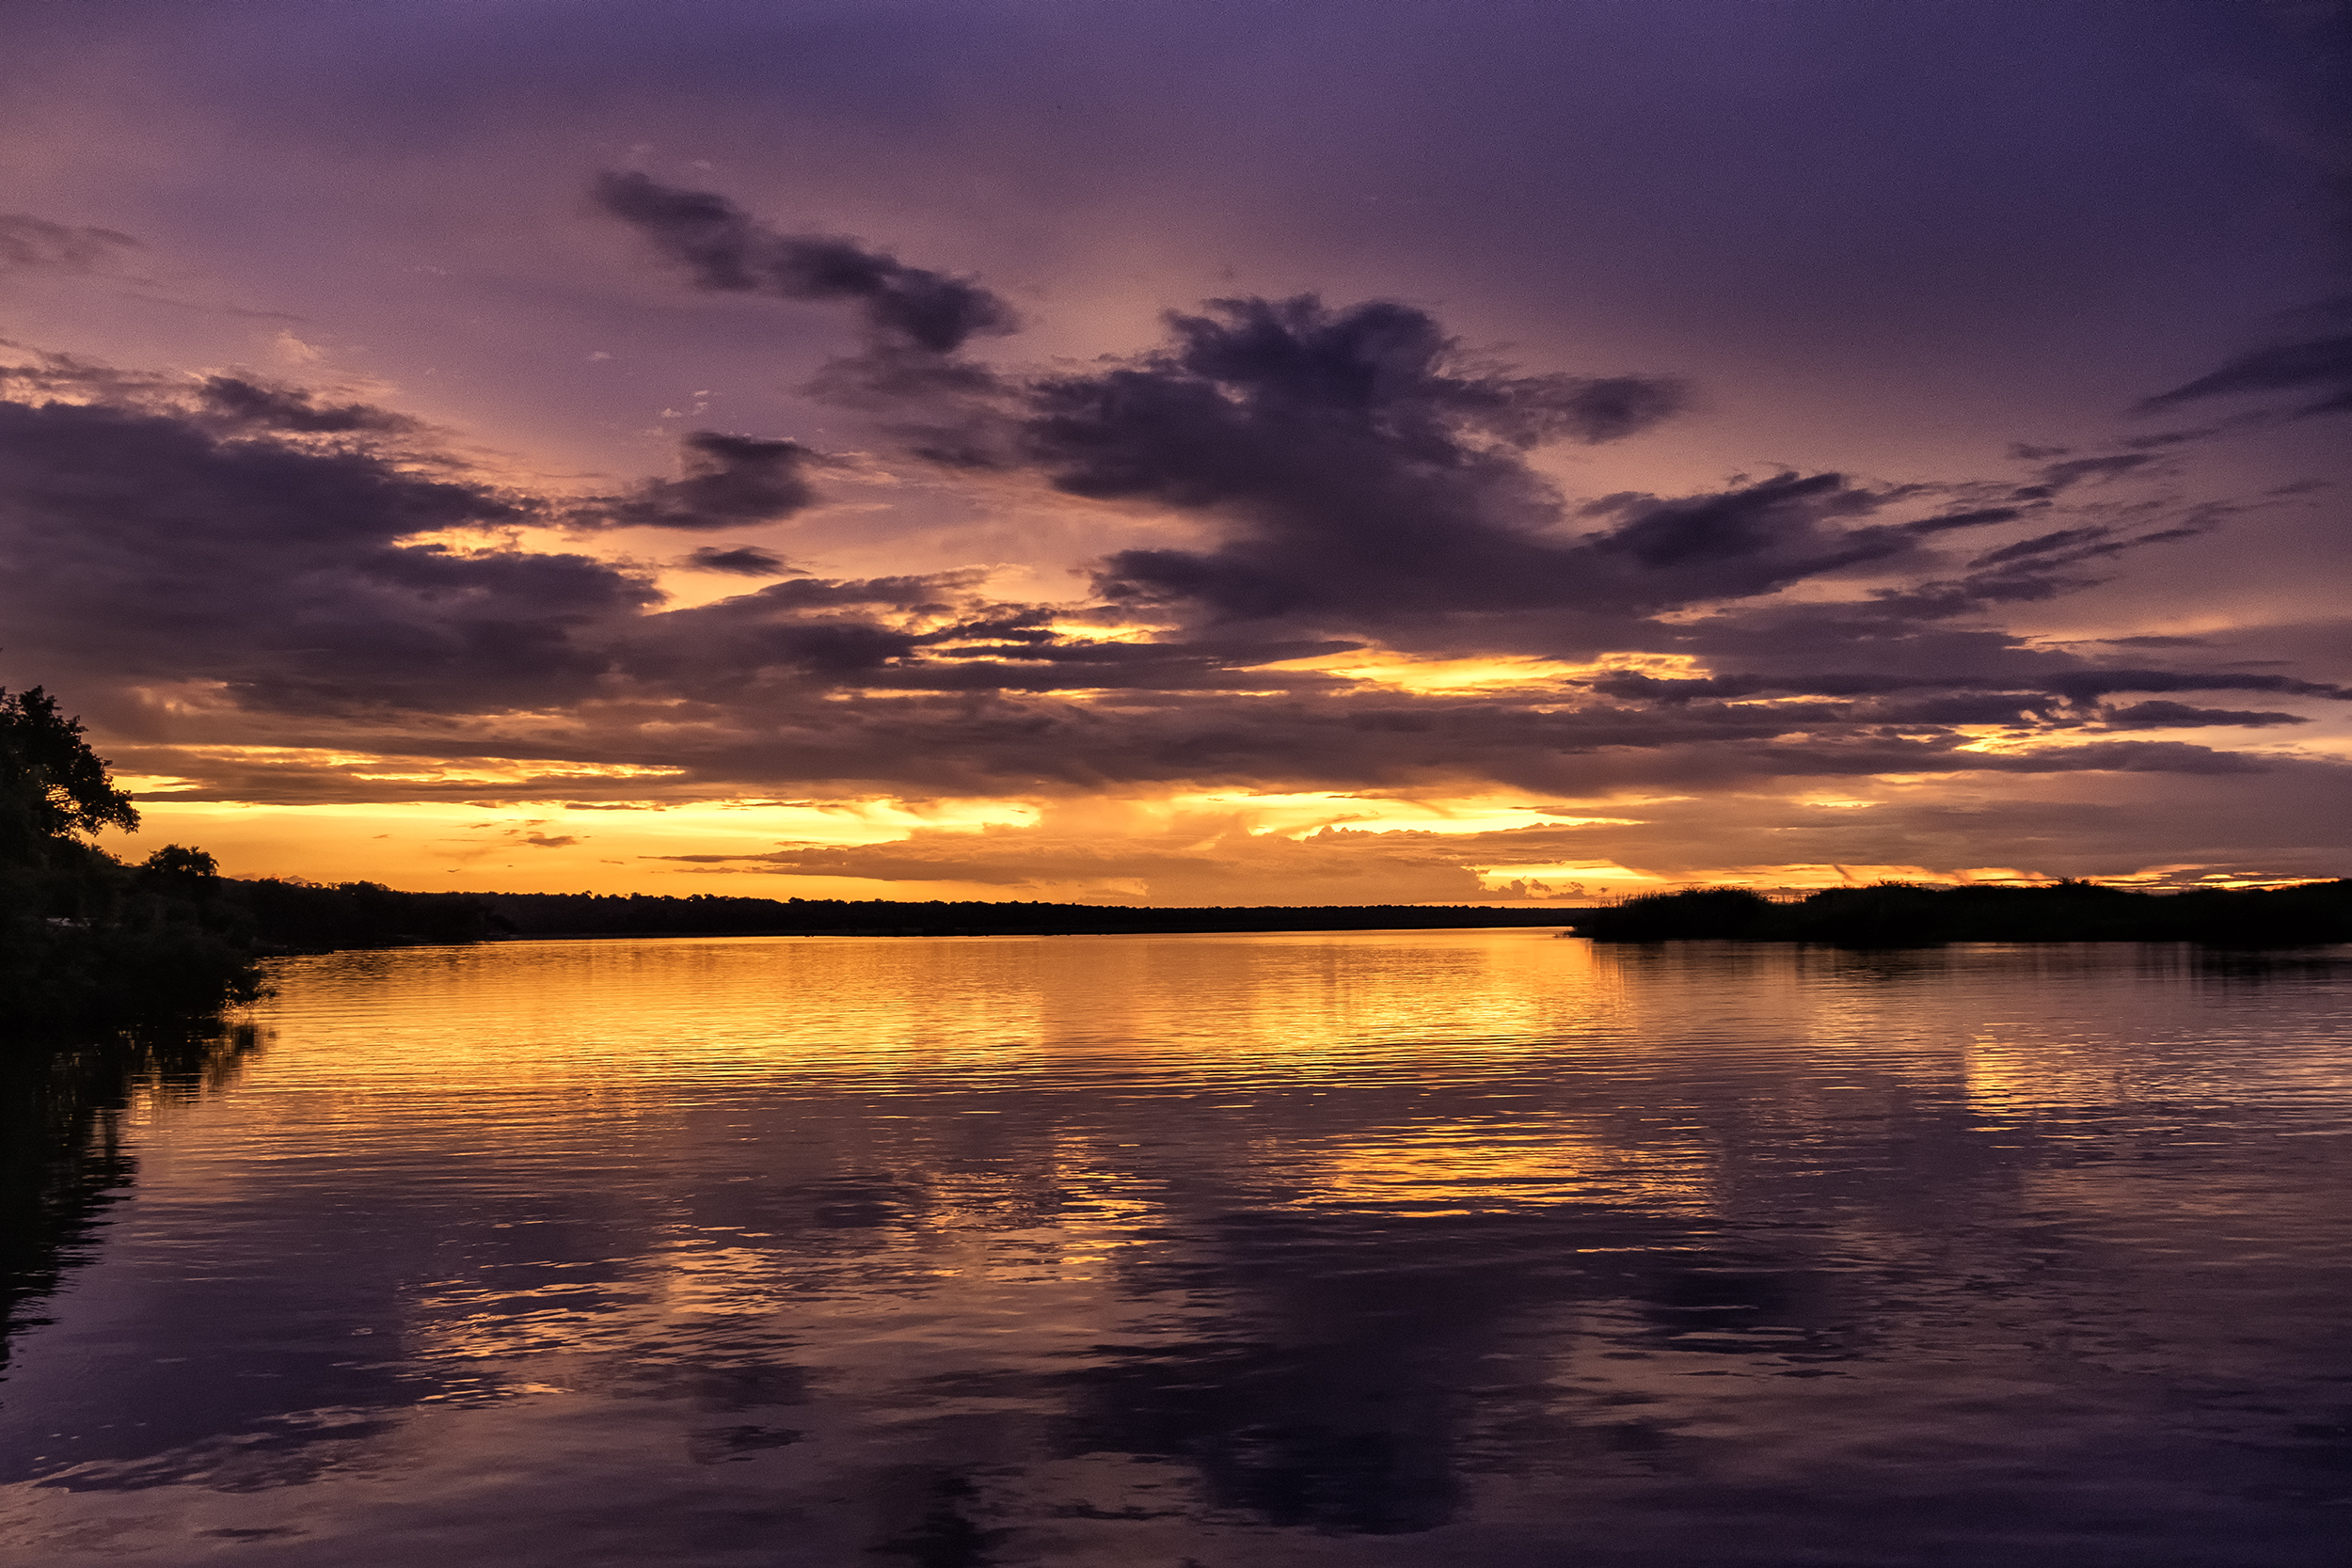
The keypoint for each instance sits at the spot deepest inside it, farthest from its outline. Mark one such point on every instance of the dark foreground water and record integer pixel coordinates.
(1451, 1247)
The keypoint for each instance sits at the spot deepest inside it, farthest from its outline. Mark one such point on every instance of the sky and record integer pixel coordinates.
(1187, 453)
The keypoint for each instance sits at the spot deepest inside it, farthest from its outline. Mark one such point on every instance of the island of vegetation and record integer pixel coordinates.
(86, 940)
(1906, 914)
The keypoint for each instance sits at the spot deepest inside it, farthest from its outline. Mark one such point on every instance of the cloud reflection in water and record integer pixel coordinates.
(1425, 1247)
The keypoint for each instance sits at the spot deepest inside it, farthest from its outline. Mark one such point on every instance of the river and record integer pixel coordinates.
(1452, 1247)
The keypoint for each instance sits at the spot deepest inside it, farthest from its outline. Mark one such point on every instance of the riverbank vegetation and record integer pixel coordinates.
(84, 939)
(1905, 915)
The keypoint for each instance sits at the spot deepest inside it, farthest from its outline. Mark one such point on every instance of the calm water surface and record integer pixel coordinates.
(1371, 1248)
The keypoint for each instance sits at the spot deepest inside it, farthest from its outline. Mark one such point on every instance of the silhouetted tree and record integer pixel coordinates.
(177, 864)
(52, 784)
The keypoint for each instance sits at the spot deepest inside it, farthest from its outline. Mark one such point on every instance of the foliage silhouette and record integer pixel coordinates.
(51, 783)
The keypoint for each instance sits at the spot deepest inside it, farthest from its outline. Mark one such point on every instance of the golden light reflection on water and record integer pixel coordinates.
(2008, 1074)
(944, 1007)
(1475, 1167)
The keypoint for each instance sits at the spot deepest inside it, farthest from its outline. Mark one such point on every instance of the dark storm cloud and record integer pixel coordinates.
(730, 480)
(28, 242)
(276, 573)
(227, 543)
(1367, 478)
(2035, 569)
(250, 538)
(1479, 547)
(787, 640)
(920, 634)
(287, 573)
(1749, 541)
(1363, 469)
(742, 561)
(936, 403)
(722, 248)
(225, 406)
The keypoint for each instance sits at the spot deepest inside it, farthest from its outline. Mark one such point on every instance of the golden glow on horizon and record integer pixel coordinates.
(1300, 816)
(1404, 673)
(1093, 850)
(1568, 878)
(549, 846)
(524, 827)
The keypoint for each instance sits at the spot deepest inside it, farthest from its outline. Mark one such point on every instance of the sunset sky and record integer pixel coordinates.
(1188, 453)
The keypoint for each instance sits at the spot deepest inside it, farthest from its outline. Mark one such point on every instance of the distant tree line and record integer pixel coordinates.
(582, 914)
(1906, 914)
